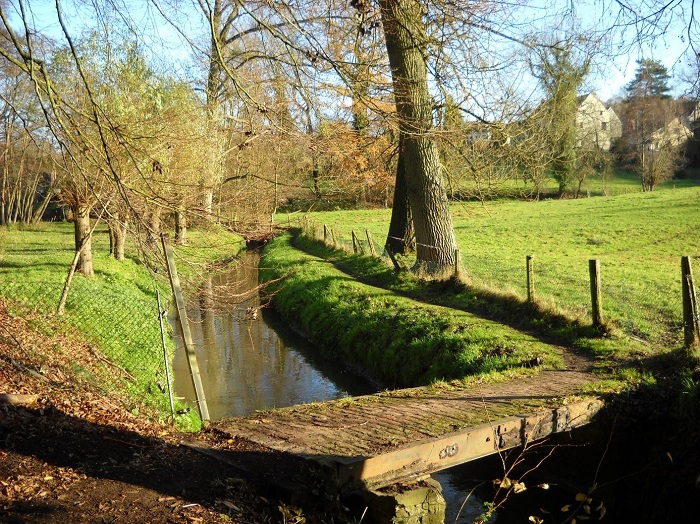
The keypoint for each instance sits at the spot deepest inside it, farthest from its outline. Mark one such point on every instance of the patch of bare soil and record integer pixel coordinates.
(69, 453)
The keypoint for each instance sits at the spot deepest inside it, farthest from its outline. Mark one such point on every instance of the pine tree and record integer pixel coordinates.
(651, 79)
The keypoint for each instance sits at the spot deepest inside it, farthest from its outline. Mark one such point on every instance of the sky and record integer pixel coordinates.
(668, 44)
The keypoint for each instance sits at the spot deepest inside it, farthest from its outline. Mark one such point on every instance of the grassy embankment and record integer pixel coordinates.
(638, 237)
(394, 339)
(116, 309)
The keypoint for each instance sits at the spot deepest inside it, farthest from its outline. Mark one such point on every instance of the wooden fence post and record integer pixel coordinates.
(185, 327)
(596, 300)
(691, 322)
(325, 234)
(355, 242)
(371, 244)
(530, 278)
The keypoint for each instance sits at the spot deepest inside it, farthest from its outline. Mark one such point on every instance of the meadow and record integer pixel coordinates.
(638, 237)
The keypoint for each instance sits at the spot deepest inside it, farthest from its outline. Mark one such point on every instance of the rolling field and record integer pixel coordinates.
(638, 237)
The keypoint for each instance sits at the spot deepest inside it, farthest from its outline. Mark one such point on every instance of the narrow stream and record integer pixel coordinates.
(248, 358)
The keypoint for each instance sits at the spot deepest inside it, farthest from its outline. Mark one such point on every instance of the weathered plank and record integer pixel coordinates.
(374, 441)
(429, 456)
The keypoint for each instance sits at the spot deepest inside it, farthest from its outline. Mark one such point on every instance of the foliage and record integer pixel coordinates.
(561, 73)
(653, 133)
(650, 80)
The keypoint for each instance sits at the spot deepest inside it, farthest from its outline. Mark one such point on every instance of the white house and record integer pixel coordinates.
(673, 134)
(596, 125)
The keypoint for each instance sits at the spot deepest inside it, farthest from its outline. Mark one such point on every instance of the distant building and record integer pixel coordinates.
(673, 134)
(596, 125)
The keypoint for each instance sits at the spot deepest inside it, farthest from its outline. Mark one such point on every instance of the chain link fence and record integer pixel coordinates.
(120, 326)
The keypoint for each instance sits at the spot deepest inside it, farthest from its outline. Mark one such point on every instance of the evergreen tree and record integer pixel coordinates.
(650, 80)
(561, 73)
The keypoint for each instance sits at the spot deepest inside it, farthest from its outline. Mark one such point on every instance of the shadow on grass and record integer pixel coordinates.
(546, 324)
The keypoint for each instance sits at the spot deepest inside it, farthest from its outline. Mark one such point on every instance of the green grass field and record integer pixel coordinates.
(638, 237)
(622, 182)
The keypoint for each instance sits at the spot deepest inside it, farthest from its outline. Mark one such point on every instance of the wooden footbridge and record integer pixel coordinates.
(369, 442)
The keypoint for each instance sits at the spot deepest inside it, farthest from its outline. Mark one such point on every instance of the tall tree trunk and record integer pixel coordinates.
(154, 224)
(401, 237)
(117, 236)
(120, 241)
(81, 225)
(406, 43)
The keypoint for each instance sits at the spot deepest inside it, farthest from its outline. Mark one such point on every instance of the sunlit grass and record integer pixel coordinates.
(398, 341)
(116, 308)
(638, 237)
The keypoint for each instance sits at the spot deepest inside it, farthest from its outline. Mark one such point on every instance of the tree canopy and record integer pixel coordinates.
(305, 100)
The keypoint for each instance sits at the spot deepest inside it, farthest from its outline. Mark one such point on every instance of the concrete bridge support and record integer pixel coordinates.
(419, 502)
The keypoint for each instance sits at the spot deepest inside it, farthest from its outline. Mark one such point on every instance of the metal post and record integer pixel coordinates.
(161, 315)
(184, 325)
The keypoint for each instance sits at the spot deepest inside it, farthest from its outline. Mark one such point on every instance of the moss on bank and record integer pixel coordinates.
(397, 341)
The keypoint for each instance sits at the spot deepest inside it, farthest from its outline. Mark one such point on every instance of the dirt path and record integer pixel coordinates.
(71, 454)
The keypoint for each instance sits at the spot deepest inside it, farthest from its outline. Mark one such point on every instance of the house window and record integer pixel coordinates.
(604, 125)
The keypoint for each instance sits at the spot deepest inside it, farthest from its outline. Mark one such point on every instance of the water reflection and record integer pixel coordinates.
(248, 359)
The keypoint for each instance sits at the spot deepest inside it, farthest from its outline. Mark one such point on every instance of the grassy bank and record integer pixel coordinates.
(638, 237)
(116, 309)
(397, 341)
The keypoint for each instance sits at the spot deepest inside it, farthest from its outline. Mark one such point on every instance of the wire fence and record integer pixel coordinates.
(123, 332)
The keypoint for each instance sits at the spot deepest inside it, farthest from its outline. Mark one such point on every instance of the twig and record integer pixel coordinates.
(31, 372)
(17, 342)
(108, 361)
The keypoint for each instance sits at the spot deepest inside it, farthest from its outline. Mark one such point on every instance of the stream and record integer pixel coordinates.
(249, 360)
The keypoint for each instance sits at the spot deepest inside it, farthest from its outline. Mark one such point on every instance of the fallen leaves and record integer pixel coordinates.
(80, 453)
